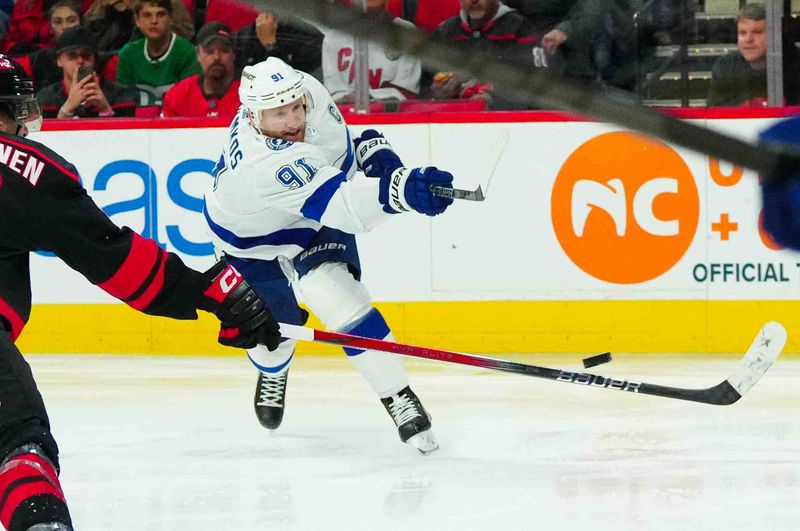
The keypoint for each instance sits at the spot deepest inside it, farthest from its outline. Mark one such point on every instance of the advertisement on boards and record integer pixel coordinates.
(574, 211)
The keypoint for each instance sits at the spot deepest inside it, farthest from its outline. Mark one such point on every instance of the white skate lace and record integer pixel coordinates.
(271, 392)
(403, 409)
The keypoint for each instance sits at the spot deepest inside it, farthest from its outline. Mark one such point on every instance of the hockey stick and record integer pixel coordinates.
(542, 87)
(759, 357)
(479, 194)
(457, 193)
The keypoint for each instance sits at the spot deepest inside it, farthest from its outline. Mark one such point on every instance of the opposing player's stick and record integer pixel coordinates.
(497, 150)
(759, 357)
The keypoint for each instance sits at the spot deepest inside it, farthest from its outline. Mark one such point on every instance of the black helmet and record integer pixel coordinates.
(17, 97)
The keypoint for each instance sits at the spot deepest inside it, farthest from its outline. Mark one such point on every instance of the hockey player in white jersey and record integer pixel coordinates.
(290, 191)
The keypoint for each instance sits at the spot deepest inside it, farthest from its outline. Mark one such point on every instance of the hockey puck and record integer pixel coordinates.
(600, 359)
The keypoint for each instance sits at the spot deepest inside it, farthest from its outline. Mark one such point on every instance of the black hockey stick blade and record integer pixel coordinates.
(457, 193)
(763, 351)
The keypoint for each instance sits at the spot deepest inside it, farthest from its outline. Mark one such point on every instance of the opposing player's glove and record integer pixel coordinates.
(374, 155)
(410, 189)
(781, 193)
(245, 319)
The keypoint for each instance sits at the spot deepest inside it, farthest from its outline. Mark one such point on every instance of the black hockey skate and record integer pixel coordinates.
(412, 421)
(270, 399)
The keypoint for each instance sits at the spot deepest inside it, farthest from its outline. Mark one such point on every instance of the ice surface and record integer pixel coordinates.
(163, 443)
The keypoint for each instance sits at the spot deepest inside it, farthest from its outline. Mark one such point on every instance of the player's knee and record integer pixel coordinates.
(335, 296)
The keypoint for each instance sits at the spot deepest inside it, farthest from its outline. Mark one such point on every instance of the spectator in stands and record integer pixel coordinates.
(24, 27)
(159, 59)
(113, 22)
(388, 69)
(740, 77)
(42, 63)
(494, 28)
(294, 42)
(82, 93)
(31, 26)
(215, 91)
(62, 15)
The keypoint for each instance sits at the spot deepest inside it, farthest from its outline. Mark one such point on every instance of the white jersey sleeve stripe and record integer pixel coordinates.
(316, 204)
(350, 156)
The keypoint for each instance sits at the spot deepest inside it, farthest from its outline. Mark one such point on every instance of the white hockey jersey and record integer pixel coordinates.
(386, 67)
(271, 196)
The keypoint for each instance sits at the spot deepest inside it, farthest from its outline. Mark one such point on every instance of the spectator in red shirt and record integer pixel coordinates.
(213, 92)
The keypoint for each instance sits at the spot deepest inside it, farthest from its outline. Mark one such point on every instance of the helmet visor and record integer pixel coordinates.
(27, 113)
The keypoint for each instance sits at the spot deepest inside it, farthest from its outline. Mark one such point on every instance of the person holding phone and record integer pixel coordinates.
(81, 93)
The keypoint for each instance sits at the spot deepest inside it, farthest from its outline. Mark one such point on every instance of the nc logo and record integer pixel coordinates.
(634, 218)
(612, 199)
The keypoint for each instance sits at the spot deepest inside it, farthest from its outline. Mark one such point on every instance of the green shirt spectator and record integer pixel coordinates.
(160, 58)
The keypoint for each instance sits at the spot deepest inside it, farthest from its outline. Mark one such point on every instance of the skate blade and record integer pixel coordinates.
(424, 441)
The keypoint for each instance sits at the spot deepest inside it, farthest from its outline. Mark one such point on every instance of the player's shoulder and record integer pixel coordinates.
(35, 148)
(323, 106)
(317, 90)
(36, 153)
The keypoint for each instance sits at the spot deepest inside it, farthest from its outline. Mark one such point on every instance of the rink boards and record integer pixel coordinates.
(591, 238)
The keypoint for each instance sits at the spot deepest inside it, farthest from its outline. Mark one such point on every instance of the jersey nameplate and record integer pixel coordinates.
(21, 162)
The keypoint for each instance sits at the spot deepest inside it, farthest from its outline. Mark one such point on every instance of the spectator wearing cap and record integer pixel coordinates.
(214, 91)
(81, 93)
(160, 58)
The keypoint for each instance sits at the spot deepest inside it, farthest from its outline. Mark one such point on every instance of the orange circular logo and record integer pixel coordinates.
(624, 207)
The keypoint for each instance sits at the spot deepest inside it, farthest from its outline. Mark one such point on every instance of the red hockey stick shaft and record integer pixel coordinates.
(346, 340)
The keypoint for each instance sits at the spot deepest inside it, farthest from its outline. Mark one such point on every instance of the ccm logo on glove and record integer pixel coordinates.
(224, 284)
